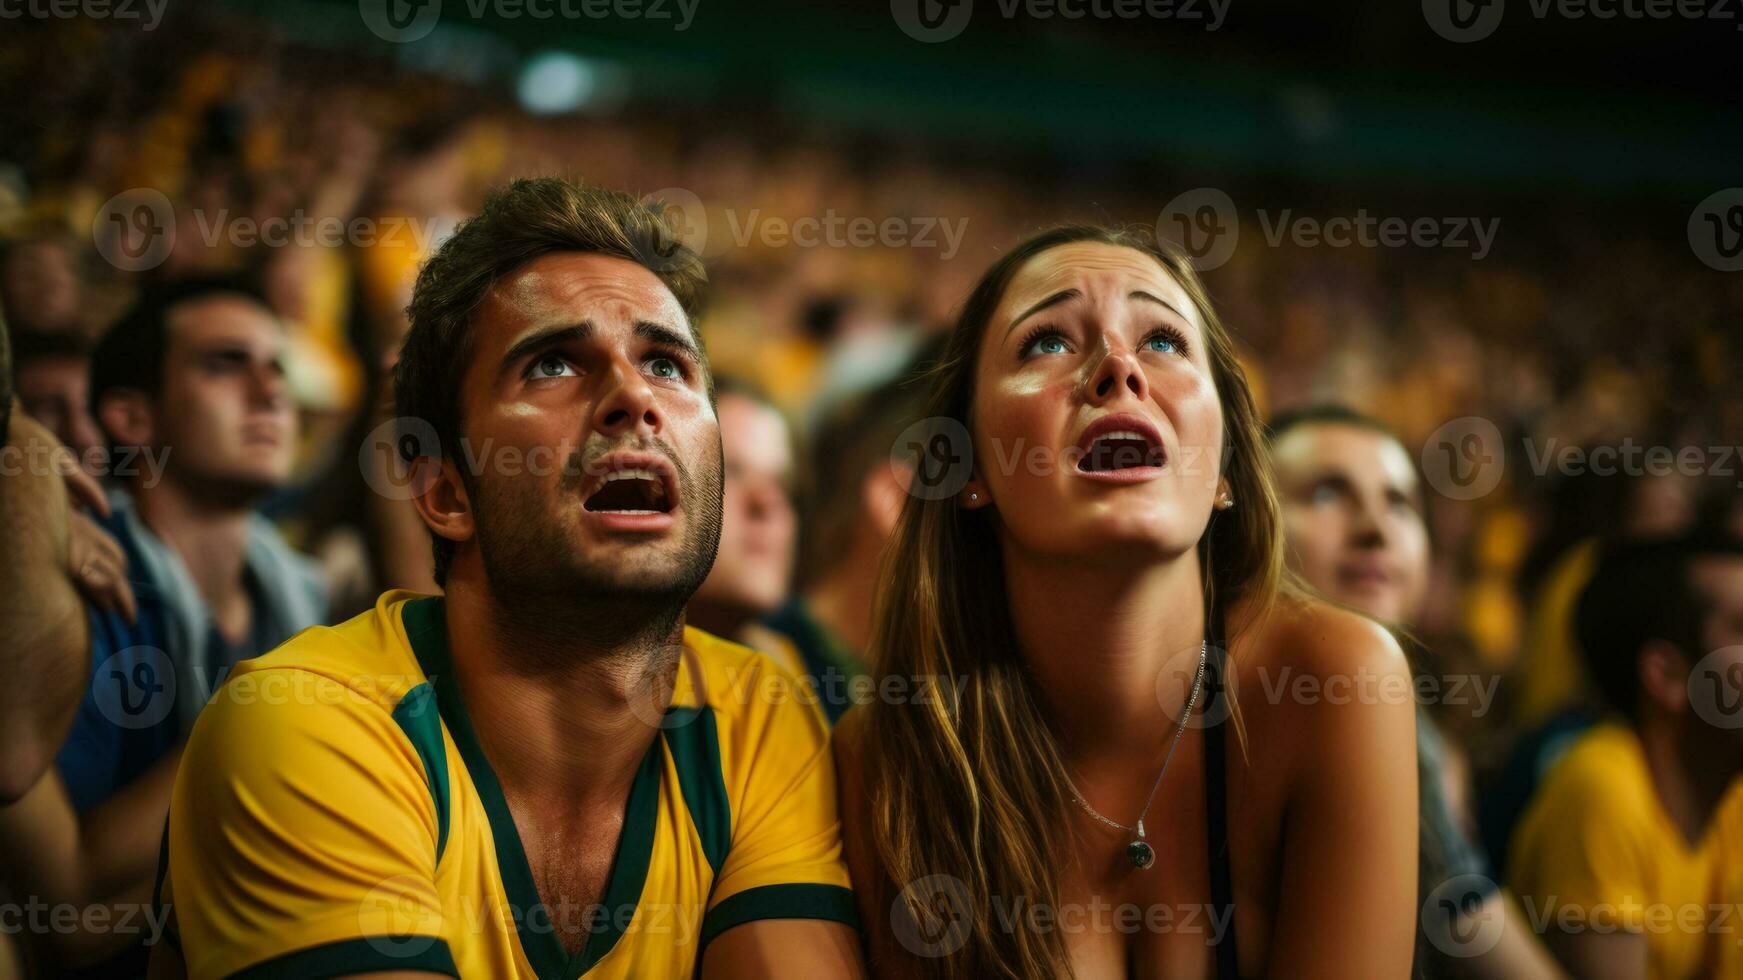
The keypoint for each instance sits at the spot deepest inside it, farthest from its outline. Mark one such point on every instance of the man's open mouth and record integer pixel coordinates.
(632, 486)
(1120, 442)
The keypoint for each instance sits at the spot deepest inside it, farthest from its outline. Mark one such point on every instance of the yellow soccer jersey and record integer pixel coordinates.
(1596, 850)
(335, 813)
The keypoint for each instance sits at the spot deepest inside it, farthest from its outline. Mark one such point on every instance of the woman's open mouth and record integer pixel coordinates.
(1120, 448)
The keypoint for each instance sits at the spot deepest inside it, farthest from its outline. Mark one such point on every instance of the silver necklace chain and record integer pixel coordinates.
(1180, 729)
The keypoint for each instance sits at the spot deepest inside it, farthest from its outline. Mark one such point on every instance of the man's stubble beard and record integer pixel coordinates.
(542, 583)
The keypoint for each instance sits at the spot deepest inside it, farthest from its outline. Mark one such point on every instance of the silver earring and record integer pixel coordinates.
(972, 496)
(1224, 502)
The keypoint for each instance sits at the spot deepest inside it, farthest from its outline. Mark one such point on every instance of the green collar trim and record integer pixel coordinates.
(426, 626)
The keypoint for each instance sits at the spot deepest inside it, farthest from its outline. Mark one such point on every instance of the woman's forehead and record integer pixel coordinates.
(1096, 268)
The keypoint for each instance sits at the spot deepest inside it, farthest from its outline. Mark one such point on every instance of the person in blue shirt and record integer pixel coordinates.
(189, 388)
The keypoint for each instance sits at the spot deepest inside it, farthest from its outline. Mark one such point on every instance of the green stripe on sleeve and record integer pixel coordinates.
(790, 901)
(375, 954)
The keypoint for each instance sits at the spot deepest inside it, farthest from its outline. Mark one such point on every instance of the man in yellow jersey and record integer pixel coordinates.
(1630, 857)
(543, 773)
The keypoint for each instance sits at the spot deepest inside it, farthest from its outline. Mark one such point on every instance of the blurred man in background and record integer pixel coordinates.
(759, 527)
(1632, 850)
(1354, 529)
(52, 375)
(857, 489)
(189, 388)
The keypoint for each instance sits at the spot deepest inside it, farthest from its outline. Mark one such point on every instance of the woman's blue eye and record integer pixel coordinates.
(1162, 344)
(1046, 343)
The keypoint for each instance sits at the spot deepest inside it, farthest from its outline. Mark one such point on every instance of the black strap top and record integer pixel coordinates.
(1222, 891)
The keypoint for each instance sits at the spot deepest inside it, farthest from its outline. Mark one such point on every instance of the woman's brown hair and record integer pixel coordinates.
(973, 789)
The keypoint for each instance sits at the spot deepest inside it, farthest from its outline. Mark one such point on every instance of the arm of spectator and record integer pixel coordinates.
(1518, 954)
(107, 857)
(44, 651)
(1601, 955)
(323, 861)
(1354, 780)
(782, 906)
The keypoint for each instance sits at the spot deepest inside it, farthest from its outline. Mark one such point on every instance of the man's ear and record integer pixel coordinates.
(128, 417)
(1664, 676)
(441, 497)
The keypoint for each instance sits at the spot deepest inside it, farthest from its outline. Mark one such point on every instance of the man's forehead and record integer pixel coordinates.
(569, 287)
(218, 318)
(1348, 448)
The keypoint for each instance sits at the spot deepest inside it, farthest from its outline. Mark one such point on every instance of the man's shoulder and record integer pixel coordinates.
(1602, 776)
(747, 689)
(368, 658)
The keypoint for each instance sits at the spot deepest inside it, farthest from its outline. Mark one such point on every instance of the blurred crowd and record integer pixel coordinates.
(1573, 335)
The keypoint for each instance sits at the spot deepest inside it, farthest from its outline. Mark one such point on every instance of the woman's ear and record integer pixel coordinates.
(973, 495)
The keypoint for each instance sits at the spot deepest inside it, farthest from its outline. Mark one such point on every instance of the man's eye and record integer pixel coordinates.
(665, 367)
(1324, 495)
(551, 366)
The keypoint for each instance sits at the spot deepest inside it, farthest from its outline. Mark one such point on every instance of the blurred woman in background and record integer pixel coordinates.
(1107, 577)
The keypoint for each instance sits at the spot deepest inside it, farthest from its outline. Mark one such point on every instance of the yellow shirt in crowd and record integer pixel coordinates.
(1596, 850)
(334, 810)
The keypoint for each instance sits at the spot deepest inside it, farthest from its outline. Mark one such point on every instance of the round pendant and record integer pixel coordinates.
(1141, 854)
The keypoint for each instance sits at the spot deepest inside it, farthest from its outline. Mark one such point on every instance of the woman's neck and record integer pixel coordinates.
(1113, 651)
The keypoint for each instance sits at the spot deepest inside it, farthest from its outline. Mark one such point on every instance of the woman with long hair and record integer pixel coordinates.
(1155, 757)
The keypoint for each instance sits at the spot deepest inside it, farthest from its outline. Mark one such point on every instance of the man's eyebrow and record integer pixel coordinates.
(659, 333)
(543, 339)
(1053, 300)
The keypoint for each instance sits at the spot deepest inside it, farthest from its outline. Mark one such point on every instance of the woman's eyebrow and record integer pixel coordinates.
(1053, 300)
(1140, 294)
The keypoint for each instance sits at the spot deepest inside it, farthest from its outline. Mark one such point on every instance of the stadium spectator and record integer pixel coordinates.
(1355, 530)
(547, 738)
(1105, 563)
(189, 389)
(1632, 849)
(753, 569)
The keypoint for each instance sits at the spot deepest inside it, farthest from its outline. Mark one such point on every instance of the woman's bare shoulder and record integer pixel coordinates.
(1314, 638)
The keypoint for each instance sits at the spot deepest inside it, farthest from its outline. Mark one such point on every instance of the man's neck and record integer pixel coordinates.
(212, 543)
(1688, 788)
(564, 711)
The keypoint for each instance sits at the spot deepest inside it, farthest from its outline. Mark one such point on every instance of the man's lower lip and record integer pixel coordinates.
(618, 520)
(1131, 474)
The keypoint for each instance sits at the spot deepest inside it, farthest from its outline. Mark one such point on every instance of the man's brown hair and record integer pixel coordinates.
(527, 220)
